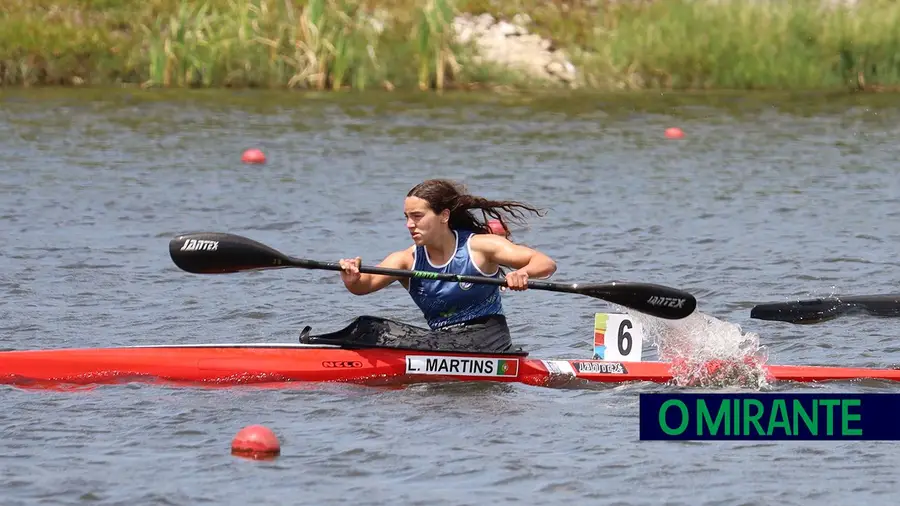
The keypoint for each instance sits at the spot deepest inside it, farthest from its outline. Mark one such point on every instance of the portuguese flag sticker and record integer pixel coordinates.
(507, 367)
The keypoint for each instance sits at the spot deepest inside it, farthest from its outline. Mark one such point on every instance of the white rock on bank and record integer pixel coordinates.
(510, 44)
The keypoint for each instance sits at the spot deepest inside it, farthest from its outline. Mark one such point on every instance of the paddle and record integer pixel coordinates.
(219, 253)
(818, 310)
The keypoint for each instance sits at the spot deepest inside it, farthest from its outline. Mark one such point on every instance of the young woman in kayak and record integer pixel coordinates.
(449, 237)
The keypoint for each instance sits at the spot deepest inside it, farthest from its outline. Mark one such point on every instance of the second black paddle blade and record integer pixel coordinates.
(801, 311)
(220, 253)
(828, 308)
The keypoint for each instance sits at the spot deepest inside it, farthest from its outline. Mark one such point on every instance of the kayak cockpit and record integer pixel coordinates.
(371, 332)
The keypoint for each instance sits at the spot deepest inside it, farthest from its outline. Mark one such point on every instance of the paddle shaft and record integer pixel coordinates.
(219, 253)
(440, 276)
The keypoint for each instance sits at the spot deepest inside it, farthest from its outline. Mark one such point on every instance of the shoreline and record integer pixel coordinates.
(468, 45)
(684, 104)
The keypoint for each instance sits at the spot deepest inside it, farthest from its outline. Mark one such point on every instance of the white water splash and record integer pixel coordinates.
(706, 351)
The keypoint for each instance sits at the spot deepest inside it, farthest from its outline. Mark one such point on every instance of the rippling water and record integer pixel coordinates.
(765, 199)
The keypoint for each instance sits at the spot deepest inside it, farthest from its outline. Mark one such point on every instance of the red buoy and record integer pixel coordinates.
(256, 442)
(496, 227)
(253, 156)
(674, 133)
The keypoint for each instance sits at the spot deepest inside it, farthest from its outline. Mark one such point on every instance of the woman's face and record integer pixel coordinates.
(422, 222)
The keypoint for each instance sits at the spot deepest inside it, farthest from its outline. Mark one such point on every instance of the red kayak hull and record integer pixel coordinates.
(226, 365)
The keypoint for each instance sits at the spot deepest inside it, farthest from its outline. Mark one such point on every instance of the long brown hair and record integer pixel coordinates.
(445, 194)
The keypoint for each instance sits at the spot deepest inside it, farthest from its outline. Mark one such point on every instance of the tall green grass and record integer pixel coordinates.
(326, 44)
(317, 44)
(434, 36)
(770, 44)
(360, 44)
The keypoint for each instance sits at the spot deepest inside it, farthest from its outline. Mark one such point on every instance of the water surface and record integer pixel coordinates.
(767, 198)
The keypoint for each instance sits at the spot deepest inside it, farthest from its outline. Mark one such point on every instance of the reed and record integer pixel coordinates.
(322, 44)
(434, 39)
(318, 44)
(359, 44)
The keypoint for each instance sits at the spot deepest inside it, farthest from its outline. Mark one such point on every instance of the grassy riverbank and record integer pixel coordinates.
(364, 44)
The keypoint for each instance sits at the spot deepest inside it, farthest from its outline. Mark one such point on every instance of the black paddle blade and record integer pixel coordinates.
(220, 253)
(801, 311)
(654, 300)
(819, 310)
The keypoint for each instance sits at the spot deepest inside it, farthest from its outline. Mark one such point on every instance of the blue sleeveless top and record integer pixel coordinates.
(447, 303)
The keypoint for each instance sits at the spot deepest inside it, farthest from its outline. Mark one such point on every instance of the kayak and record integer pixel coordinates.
(617, 358)
(243, 364)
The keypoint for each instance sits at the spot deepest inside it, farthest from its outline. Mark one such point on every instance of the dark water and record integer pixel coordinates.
(765, 199)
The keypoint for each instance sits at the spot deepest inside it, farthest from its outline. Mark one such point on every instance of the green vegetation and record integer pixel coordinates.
(319, 44)
(365, 44)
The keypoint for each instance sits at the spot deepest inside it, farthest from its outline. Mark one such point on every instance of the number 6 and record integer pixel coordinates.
(624, 339)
